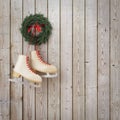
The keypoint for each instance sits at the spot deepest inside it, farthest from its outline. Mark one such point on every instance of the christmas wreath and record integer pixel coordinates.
(36, 29)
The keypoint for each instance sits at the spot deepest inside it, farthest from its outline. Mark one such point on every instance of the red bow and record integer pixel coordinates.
(35, 28)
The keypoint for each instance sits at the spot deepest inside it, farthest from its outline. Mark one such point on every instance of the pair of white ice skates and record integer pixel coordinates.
(30, 67)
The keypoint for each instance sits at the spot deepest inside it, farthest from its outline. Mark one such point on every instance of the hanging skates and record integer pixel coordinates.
(29, 67)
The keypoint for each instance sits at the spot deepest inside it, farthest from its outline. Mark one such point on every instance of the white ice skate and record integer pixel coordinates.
(37, 63)
(23, 68)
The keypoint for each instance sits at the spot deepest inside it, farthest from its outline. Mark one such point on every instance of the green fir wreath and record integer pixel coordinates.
(36, 29)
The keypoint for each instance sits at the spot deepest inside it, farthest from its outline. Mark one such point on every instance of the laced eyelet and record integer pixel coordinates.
(41, 59)
(28, 65)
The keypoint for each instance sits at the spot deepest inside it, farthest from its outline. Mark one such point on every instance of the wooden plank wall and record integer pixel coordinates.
(85, 47)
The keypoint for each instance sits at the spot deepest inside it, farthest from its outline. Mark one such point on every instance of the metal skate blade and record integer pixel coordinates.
(25, 83)
(48, 75)
(16, 81)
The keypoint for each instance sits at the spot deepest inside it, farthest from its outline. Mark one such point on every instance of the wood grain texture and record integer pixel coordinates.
(66, 60)
(84, 46)
(16, 50)
(78, 60)
(103, 60)
(53, 58)
(115, 60)
(91, 60)
(4, 59)
(28, 92)
(41, 93)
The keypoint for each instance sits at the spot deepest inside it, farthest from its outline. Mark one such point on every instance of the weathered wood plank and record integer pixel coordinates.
(91, 59)
(78, 60)
(41, 93)
(16, 49)
(66, 59)
(115, 59)
(103, 59)
(4, 59)
(28, 93)
(45, 103)
(53, 58)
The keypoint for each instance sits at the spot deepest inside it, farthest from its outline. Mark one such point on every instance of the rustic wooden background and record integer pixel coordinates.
(85, 47)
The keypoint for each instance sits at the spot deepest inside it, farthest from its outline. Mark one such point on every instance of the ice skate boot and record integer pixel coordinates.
(37, 63)
(23, 68)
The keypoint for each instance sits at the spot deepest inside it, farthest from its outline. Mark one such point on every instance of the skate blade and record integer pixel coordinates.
(25, 83)
(48, 75)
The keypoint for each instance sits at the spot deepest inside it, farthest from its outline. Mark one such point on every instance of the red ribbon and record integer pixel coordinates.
(34, 28)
